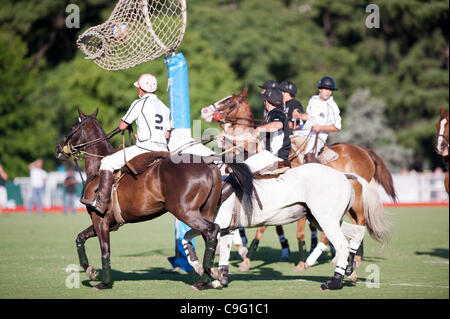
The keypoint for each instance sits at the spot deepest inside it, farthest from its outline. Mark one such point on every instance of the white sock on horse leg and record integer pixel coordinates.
(225, 249)
(312, 258)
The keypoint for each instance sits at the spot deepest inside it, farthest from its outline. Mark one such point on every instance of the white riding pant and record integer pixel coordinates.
(116, 160)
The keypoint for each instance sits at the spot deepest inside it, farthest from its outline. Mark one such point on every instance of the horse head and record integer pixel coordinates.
(442, 135)
(81, 132)
(229, 109)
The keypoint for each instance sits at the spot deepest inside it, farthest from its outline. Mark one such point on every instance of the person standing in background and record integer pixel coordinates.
(38, 178)
(70, 192)
(3, 192)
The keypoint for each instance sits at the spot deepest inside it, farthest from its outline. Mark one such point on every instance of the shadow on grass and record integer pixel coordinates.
(437, 252)
(159, 273)
(271, 255)
(151, 274)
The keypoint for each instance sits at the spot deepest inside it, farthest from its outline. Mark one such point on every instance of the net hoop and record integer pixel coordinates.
(137, 31)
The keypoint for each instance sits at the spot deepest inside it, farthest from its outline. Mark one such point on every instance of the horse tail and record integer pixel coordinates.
(243, 187)
(376, 220)
(382, 175)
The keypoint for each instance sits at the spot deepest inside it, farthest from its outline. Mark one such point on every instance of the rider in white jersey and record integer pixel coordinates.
(322, 116)
(153, 130)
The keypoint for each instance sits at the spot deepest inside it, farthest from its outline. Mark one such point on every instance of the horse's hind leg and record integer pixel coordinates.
(356, 234)
(81, 239)
(330, 226)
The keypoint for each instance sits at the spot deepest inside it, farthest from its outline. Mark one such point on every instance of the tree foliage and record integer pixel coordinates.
(404, 65)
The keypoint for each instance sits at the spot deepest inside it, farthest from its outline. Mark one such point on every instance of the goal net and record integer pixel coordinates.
(137, 31)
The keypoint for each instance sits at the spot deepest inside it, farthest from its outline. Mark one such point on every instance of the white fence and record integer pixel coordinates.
(414, 187)
(411, 187)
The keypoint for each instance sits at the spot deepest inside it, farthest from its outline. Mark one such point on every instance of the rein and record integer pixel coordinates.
(233, 119)
(74, 150)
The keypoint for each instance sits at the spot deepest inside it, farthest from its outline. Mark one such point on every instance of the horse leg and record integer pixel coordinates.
(222, 273)
(357, 216)
(301, 244)
(315, 254)
(81, 239)
(313, 237)
(331, 227)
(102, 229)
(237, 240)
(284, 244)
(190, 251)
(209, 231)
(245, 265)
(356, 234)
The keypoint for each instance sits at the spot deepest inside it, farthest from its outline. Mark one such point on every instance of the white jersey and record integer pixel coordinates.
(37, 177)
(321, 113)
(152, 119)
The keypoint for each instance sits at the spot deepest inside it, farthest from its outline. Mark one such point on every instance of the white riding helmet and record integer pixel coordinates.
(147, 82)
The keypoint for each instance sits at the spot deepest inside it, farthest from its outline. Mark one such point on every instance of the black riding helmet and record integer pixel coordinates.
(269, 84)
(327, 83)
(288, 86)
(274, 96)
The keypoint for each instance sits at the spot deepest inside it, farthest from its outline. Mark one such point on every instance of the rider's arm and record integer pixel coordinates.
(325, 128)
(269, 127)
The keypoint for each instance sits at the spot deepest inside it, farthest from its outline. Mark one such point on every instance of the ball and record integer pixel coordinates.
(119, 30)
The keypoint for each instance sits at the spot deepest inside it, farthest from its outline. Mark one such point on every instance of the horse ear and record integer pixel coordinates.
(95, 113)
(442, 109)
(80, 112)
(244, 91)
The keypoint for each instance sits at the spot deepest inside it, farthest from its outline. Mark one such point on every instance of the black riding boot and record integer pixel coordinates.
(100, 204)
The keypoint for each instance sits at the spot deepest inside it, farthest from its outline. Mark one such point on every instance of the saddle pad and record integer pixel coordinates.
(327, 156)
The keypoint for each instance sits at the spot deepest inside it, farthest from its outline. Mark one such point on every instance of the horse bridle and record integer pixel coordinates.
(225, 115)
(74, 150)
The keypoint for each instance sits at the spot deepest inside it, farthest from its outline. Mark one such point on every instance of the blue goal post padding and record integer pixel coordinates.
(178, 87)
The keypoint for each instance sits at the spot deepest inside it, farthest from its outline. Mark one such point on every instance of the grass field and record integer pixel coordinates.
(35, 251)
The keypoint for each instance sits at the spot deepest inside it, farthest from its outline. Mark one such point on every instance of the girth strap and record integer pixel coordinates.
(115, 207)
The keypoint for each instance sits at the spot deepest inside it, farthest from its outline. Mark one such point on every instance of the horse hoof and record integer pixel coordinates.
(245, 265)
(216, 284)
(243, 268)
(333, 283)
(353, 277)
(91, 273)
(198, 286)
(100, 286)
(301, 266)
(215, 273)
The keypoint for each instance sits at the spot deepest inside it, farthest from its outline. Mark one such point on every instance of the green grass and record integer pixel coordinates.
(35, 251)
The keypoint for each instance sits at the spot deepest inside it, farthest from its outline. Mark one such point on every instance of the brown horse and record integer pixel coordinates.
(189, 190)
(442, 141)
(234, 114)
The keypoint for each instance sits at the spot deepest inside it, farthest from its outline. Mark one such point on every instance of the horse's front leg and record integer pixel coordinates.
(102, 229)
(81, 239)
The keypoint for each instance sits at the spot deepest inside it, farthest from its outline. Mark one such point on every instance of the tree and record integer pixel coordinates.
(365, 125)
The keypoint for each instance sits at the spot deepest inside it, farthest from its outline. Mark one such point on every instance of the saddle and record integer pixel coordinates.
(134, 167)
